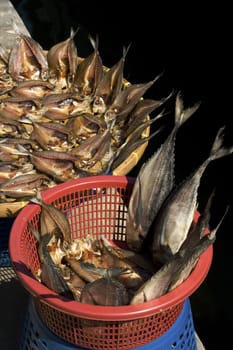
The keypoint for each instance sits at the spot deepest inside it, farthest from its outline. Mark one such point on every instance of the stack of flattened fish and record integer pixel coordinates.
(63, 117)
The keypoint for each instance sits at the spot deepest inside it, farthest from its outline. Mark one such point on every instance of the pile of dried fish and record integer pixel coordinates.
(164, 242)
(64, 117)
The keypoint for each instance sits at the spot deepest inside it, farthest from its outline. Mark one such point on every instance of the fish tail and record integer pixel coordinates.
(94, 42)
(125, 51)
(217, 150)
(73, 32)
(182, 114)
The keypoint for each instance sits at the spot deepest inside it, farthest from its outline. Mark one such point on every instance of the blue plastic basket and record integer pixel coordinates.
(5, 226)
(36, 336)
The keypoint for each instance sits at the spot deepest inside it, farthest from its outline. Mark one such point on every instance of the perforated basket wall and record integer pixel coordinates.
(96, 206)
(180, 336)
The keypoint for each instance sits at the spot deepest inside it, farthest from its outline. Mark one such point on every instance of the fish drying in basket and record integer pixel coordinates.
(160, 253)
(96, 271)
(80, 117)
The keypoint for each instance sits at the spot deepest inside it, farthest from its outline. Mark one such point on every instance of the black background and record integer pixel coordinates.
(191, 45)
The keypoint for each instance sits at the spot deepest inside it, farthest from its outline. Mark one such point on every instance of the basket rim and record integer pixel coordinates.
(96, 312)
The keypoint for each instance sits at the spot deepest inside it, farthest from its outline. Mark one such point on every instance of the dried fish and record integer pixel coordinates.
(53, 220)
(179, 266)
(62, 62)
(175, 217)
(89, 72)
(105, 291)
(51, 275)
(158, 171)
(25, 185)
(27, 60)
(109, 86)
(52, 136)
(32, 89)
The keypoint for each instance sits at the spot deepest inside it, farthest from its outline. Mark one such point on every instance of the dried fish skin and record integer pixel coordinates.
(88, 152)
(62, 62)
(9, 170)
(52, 136)
(54, 217)
(89, 72)
(32, 89)
(60, 106)
(109, 86)
(85, 125)
(51, 275)
(125, 101)
(27, 60)
(106, 291)
(139, 115)
(58, 165)
(16, 107)
(11, 128)
(28, 144)
(25, 185)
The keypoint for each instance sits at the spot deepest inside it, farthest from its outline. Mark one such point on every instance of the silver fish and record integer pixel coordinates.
(199, 227)
(153, 183)
(175, 217)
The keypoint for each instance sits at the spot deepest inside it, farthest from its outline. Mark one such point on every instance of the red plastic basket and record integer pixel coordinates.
(98, 206)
